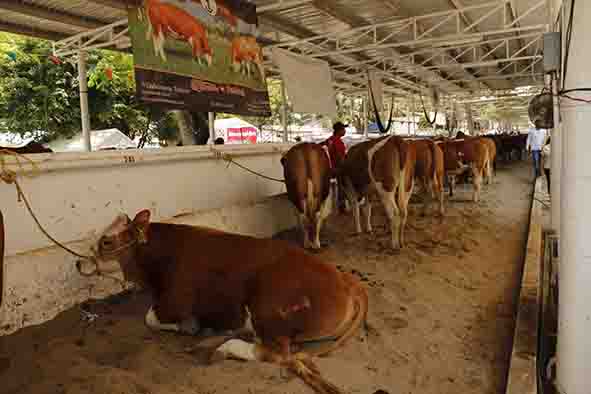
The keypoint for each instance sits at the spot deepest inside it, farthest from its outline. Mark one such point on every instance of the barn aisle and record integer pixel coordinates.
(441, 317)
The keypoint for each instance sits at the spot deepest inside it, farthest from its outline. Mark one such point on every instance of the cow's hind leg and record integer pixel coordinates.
(403, 199)
(366, 208)
(325, 209)
(300, 364)
(477, 182)
(389, 201)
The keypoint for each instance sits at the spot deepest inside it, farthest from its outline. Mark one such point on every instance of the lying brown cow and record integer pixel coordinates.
(307, 172)
(388, 165)
(429, 171)
(204, 276)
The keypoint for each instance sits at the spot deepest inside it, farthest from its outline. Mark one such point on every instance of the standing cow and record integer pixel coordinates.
(386, 164)
(307, 173)
(491, 167)
(466, 153)
(169, 20)
(204, 276)
(429, 171)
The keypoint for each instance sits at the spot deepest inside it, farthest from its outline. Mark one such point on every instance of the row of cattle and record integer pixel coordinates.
(389, 166)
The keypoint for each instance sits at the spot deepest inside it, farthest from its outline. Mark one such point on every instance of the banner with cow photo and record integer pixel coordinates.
(200, 55)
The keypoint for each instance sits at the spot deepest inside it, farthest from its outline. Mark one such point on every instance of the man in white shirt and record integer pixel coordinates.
(535, 141)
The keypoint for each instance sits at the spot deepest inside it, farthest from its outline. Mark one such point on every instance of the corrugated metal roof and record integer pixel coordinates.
(430, 64)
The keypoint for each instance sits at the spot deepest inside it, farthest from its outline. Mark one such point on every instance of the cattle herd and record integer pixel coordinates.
(390, 166)
(293, 303)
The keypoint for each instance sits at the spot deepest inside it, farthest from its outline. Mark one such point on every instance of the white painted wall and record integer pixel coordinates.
(574, 309)
(78, 193)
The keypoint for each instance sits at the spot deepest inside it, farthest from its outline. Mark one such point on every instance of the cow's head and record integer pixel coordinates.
(116, 247)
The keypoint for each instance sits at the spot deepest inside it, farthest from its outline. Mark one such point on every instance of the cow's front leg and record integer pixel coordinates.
(188, 326)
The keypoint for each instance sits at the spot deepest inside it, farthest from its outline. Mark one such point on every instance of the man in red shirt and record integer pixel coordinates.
(336, 146)
(337, 151)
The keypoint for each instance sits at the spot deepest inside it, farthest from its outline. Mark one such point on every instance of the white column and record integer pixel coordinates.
(408, 117)
(574, 313)
(211, 123)
(284, 112)
(556, 163)
(83, 85)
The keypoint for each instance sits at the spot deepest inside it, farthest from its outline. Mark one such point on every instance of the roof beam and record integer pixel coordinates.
(50, 15)
(32, 32)
(337, 12)
(278, 24)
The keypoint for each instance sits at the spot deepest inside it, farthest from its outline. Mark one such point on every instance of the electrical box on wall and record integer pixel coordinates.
(551, 52)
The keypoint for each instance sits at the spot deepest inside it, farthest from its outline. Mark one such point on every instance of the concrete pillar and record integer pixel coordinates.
(284, 112)
(408, 116)
(83, 86)
(574, 313)
(211, 123)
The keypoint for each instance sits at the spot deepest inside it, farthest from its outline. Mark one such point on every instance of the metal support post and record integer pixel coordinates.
(83, 85)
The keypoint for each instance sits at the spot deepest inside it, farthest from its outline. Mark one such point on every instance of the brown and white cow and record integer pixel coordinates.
(386, 164)
(429, 171)
(471, 152)
(209, 277)
(307, 173)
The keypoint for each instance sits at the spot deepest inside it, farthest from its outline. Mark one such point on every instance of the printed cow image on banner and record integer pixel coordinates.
(200, 55)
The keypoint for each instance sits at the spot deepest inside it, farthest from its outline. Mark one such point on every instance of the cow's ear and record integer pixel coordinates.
(142, 219)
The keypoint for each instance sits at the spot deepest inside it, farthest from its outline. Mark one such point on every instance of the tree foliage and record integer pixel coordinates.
(39, 97)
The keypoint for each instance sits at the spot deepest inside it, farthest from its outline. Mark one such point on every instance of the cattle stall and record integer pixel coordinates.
(441, 311)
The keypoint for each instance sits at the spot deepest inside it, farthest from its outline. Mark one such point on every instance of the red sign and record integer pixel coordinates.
(242, 134)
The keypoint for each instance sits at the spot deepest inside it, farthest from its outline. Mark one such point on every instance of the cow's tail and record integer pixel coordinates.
(323, 346)
(305, 369)
(435, 179)
(311, 200)
(302, 365)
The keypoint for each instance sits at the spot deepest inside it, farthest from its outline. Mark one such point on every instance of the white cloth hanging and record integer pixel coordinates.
(308, 83)
(377, 88)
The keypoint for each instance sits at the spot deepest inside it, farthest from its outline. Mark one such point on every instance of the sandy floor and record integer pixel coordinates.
(440, 321)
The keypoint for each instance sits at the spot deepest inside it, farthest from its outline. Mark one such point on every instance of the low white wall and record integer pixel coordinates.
(78, 194)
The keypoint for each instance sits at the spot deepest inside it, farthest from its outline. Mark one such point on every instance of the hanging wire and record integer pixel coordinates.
(377, 113)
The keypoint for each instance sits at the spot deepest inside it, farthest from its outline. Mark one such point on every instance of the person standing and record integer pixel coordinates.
(547, 159)
(535, 141)
(336, 152)
(336, 146)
